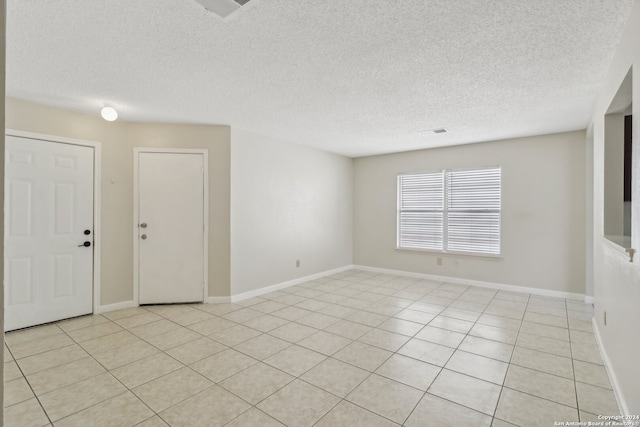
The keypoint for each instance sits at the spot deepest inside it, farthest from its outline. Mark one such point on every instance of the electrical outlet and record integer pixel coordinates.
(297, 263)
(439, 261)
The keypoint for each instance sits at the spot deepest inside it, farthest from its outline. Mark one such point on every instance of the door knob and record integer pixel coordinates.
(143, 237)
(85, 244)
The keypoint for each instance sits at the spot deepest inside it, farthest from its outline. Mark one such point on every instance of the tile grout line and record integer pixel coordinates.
(442, 368)
(130, 390)
(341, 399)
(216, 383)
(46, 414)
(78, 343)
(458, 349)
(106, 371)
(362, 308)
(495, 412)
(424, 393)
(51, 391)
(574, 380)
(573, 365)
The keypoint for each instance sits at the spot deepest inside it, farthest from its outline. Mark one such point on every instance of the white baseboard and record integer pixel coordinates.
(491, 285)
(277, 286)
(622, 404)
(239, 297)
(116, 306)
(218, 300)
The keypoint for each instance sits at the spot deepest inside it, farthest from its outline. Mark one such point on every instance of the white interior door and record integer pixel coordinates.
(48, 221)
(171, 260)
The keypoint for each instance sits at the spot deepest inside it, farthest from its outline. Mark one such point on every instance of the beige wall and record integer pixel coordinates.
(216, 140)
(117, 211)
(543, 219)
(288, 203)
(117, 141)
(616, 280)
(306, 199)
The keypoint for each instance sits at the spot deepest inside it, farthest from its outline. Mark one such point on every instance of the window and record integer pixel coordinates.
(454, 211)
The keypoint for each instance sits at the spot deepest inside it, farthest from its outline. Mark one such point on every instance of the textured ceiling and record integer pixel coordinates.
(355, 77)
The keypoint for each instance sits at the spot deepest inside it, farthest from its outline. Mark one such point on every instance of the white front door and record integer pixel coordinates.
(170, 227)
(48, 203)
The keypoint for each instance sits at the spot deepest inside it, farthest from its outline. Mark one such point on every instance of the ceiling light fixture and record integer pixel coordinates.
(109, 113)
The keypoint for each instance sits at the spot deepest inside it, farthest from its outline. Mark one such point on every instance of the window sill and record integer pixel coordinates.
(450, 253)
(622, 244)
(622, 241)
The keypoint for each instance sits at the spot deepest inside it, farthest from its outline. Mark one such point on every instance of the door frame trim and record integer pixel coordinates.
(97, 197)
(205, 200)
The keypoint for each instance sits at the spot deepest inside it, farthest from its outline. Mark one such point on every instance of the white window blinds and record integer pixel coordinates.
(450, 211)
(421, 211)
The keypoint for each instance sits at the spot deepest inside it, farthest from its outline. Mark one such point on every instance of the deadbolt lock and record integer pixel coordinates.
(143, 225)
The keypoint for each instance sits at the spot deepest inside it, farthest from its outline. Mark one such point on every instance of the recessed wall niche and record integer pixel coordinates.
(617, 165)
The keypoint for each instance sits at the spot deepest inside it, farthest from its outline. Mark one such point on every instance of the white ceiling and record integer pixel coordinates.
(355, 77)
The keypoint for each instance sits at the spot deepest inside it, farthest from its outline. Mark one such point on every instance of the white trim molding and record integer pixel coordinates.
(622, 404)
(218, 300)
(490, 285)
(116, 306)
(276, 287)
(136, 242)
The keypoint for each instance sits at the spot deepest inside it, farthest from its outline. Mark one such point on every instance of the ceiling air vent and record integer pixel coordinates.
(432, 131)
(223, 8)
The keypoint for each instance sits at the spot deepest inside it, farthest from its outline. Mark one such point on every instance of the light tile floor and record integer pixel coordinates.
(352, 349)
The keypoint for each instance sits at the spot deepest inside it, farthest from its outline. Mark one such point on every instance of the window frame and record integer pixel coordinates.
(445, 214)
